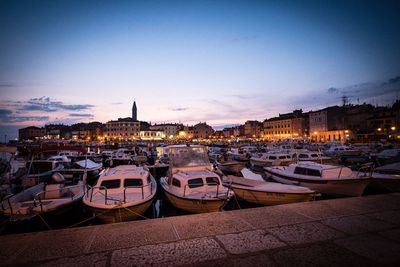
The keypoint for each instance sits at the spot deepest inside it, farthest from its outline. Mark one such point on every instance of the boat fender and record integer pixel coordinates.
(58, 178)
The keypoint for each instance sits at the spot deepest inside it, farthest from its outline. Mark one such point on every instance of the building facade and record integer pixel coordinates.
(152, 135)
(202, 131)
(328, 124)
(171, 130)
(31, 133)
(287, 126)
(253, 129)
(125, 129)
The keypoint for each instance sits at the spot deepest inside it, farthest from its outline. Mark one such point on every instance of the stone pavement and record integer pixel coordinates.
(340, 232)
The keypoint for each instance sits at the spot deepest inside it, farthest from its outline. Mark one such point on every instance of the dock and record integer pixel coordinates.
(362, 231)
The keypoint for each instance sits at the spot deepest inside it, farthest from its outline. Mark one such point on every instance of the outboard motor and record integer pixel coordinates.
(58, 178)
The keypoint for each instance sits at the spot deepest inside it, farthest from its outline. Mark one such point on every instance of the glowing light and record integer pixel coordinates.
(379, 129)
(393, 128)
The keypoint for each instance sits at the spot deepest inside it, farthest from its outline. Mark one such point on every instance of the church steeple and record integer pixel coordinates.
(134, 111)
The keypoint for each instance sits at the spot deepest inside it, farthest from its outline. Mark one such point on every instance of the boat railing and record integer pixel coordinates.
(42, 195)
(365, 169)
(97, 187)
(91, 189)
(7, 198)
(141, 187)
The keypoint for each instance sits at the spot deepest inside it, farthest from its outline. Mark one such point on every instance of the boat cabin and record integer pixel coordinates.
(320, 170)
(128, 178)
(194, 182)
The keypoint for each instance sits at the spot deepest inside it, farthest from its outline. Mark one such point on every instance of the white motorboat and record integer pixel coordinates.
(326, 179)
(191, 184)
(121, 193)
(267, 193)
(342, 150)
(270, 159)
(230, 167)
(387, 177)
(42, 199)
(312, 156)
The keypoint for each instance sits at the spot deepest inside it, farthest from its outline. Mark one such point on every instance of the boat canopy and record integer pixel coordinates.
(188, 156)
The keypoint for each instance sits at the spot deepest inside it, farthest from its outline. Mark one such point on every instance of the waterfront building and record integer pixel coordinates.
(57, 131)
(286, 126)
(92, 131)
(328, 124)
(228, 132)
(171, 130)
(123, 129)
(186, 133)
(383, 124)
(239, 132)
(253, 129)
(202, 131)
(31, 133)
(152, 135)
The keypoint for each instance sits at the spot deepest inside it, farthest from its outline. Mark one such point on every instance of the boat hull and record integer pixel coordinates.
(121, 214)
(270, 198)
(339, 187)
(232, 167)
(195, 205)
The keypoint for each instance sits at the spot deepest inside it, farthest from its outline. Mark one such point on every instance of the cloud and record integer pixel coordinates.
(333, 90)
(245, 38)
(47, 105)
(394, 80)
(7, 115)
(5, 112)
(7, 85)
(117, 103)
(179, 109)
(81, 115)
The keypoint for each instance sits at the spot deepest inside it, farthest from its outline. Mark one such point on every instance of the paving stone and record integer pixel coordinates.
(322, 209)
(88, 260)
(373, 247)
(322, 254)
(57, 243)
(391, 234)
(304, 233)
(367, 204)
(223, 262)
(357, 224)
(271, 216)
(13, 245)
(208, 224)
(251, 241)
(258, 260)
(169, 254)
(391, 216)
(132, 234)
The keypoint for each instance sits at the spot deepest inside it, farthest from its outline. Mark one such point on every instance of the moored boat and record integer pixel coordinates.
(386, 177)
(270, 159)
(268, 193)
(326, 179)
(191, 185)
(42, 199)
(230, 167)
(121, 193)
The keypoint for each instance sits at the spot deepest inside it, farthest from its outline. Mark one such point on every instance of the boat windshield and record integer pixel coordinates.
(188, 156)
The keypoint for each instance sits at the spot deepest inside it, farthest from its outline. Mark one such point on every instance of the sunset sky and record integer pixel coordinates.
(223, 62)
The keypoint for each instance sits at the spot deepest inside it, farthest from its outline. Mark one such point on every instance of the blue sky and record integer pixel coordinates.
(222, 62)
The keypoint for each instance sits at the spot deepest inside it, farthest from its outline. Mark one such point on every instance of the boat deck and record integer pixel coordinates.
(361, 231)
